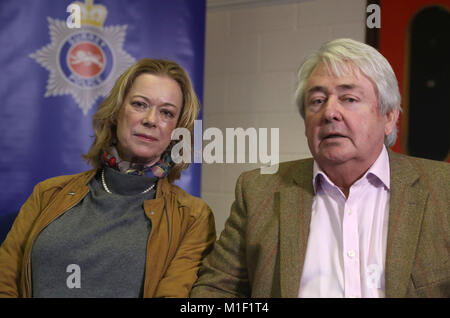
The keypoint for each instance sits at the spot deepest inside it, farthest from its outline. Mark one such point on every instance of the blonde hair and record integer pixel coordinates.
(105, 119)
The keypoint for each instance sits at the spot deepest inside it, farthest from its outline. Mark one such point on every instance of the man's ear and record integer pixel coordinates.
(391, 120)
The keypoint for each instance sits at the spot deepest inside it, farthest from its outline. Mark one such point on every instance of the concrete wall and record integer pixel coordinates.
(253, 51)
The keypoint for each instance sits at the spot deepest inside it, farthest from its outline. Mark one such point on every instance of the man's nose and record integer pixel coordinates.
(332, 109)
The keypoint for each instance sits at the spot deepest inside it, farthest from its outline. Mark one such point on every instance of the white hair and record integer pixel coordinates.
(342, 56)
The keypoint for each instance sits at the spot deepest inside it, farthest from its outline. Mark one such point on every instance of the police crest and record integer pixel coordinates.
(84, 62)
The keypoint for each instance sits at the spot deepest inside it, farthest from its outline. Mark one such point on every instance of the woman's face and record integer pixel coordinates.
(147, 118)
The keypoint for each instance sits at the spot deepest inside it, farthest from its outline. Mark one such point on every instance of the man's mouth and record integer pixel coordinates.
(331, 136)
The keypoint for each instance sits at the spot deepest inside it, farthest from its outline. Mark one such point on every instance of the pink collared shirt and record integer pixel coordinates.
(345, 255)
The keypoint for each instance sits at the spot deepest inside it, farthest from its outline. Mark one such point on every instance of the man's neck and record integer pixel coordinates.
(344, 175)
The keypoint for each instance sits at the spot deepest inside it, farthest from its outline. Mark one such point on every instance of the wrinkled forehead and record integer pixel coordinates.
(341, 69)
(338, 68)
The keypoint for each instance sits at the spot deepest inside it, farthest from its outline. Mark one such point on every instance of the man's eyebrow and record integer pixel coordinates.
(323, 89)
(347, 86)
(317, 89)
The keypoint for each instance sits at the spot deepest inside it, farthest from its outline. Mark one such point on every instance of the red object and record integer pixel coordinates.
(395, 18)
(86, 59)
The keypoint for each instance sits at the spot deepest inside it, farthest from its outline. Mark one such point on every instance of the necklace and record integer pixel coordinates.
(109, 191)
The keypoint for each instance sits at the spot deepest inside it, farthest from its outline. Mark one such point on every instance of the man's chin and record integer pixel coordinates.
(333, 157)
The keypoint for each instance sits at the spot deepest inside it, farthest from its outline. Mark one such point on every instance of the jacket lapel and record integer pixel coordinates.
(407, 204)
(296, 197)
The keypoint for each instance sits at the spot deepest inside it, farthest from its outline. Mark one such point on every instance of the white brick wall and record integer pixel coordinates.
(252, 56)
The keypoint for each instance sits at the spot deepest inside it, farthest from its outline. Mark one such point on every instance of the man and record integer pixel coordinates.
(356, 220)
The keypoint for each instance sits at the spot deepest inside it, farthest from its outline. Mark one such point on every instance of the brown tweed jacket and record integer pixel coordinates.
(262, 249)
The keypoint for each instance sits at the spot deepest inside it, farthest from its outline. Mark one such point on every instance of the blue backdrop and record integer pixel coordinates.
(48, 98)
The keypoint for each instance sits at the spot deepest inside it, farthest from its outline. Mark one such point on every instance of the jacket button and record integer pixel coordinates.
(152, 213)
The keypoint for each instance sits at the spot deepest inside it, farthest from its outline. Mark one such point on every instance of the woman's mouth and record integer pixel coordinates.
(146, 137)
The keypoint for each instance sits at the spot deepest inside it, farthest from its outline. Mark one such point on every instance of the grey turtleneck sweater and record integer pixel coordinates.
(98, 247)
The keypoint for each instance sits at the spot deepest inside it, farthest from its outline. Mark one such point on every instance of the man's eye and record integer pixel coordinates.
(317, 101)
(350, 99)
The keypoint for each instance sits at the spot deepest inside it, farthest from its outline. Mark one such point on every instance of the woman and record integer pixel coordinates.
(122, 229)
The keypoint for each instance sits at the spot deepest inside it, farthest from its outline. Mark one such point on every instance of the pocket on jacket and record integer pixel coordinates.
(431, 278)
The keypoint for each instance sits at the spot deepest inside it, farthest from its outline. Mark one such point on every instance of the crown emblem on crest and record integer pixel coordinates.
(92, 14)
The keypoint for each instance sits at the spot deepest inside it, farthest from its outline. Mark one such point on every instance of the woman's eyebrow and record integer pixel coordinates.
(148, 100)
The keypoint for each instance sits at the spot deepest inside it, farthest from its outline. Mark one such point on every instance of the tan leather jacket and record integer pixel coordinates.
(183, 232)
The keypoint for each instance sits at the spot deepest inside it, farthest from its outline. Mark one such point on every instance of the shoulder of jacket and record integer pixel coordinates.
(285, 169)
(435, 173)
(427, 165)
(60, 182)
(432, 165)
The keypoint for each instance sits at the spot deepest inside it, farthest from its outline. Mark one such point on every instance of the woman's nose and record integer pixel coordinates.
(151, 116)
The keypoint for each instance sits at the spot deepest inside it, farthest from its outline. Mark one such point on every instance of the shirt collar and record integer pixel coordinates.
(380, 169)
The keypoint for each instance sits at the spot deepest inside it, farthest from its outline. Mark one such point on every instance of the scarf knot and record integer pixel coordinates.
(159, 169)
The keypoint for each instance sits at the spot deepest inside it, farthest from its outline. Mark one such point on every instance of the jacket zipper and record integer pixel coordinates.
(27, 278)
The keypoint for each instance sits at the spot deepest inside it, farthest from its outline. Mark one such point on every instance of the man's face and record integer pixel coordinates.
(343, 123)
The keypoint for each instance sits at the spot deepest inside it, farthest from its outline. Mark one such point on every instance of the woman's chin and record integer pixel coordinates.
(144, 158)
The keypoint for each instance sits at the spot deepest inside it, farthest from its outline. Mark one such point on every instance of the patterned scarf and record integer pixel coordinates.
(159, 170)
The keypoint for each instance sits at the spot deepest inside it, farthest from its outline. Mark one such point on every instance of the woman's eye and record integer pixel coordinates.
(167, 113)
(138, 104)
